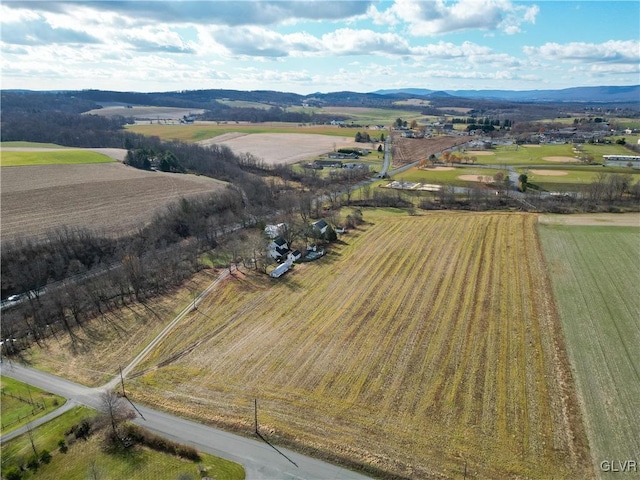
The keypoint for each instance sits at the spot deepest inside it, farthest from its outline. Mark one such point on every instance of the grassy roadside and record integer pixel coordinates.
(21, 403)
(86, 458)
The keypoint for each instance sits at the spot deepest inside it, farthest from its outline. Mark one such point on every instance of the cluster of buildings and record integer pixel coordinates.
(280, 250)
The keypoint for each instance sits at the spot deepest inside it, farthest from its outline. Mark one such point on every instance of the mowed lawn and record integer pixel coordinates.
(58, 157)
(596, 278)
(21, 403)
(88, 459)
(417, 345)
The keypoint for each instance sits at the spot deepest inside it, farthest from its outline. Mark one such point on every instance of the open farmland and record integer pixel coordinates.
(145, 112)
(32, 153)
(107, 197)
(206, 130)
(409, 150)
(57, 156)
(364, 115)
(278, 148)
(416, 345)
(595, 276)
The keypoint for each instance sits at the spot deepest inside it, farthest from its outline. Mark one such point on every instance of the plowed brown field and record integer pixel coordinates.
(416, 345)
(409, 150)
(109, 196)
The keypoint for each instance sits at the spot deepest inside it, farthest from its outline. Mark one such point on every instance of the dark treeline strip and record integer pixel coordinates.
(68, 129)
(75, 275)
(34, 102)
(189, 98)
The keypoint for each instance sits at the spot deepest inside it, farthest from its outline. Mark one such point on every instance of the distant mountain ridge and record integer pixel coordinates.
(609, 94)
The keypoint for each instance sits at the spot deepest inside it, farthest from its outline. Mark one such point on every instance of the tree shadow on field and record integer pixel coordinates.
(331, 258)
(291, 284)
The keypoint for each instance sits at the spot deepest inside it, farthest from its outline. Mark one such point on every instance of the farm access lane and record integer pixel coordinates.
(260, 460)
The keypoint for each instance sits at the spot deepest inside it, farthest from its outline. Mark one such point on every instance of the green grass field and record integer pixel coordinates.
(62, 157)
(364, 115)
(525, 155)
(595, 276)
(86, 459)
(573, 175)
(29, 145)
(196, 132)
(445, 176)
(32, 403)
(535, 154)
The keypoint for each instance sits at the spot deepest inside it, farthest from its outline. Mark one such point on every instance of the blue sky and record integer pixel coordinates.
(319, 46)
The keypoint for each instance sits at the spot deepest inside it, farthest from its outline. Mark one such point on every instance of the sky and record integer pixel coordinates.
(318, 46)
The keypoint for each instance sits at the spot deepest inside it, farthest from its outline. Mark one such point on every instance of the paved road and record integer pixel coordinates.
(260, 460)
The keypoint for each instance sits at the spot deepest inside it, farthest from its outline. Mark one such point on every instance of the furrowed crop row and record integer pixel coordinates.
(416, 341)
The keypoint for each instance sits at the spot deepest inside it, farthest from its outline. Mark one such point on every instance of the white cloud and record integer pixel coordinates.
(157, 39)
(260, 42)
(612, 51)
(347, 41)
(227, 12)
(437, 17)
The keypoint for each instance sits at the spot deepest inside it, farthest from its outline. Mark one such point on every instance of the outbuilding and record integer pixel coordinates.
(280, 270)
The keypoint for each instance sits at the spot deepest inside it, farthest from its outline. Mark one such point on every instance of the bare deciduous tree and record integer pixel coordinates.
(116, 412)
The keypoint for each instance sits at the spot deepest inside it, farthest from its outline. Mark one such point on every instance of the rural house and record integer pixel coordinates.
(274, 231)
(320, 226)
(278, 248)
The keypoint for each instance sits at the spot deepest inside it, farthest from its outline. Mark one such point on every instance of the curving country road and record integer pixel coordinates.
(259, 459)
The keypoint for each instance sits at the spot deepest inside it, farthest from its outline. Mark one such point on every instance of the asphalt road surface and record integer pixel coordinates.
(260, 460)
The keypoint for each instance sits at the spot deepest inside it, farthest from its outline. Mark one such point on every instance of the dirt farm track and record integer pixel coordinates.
(109, 196)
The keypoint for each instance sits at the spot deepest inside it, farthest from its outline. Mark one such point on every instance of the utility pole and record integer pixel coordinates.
(255, 403)
(30, 433)
(122, 382)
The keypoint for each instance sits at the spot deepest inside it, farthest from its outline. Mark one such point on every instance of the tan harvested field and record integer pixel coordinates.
(409, 150)
(479, 153)
(476, 178)
(549, 173)
(109, 197)
(602, 219)
(146, 112)
(411, 356)
(561, 159)
(275, 148)
(439, 169)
